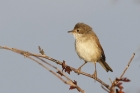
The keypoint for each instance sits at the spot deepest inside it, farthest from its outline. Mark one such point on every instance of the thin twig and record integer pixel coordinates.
(69, 83)
(127, 65)
(49, 70)
(54, 68)
(116, 82)
(62, 73)
(25, 53)
(105, 89)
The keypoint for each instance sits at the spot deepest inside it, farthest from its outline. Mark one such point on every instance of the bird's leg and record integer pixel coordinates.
(95, 72)
(79, 69)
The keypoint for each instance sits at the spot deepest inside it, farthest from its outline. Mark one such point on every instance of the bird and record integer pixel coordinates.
(88, 47)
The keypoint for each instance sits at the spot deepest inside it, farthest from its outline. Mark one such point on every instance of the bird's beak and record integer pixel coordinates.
(71, 31)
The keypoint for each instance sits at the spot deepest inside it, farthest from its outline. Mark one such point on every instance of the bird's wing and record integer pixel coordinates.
(99, 45)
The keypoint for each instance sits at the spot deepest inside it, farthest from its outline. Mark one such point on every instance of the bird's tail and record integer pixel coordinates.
(105, 66)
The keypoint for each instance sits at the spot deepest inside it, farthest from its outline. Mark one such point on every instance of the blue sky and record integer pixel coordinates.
(27, 24)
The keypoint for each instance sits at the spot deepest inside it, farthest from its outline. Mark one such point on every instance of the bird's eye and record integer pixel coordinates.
(77, 30)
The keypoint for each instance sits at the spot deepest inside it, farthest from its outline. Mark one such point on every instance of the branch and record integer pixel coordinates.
(116, 81)
(127, 65)
(26, 54)
(71, 83)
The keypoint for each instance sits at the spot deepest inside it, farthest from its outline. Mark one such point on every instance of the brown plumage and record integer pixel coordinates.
(88, 47)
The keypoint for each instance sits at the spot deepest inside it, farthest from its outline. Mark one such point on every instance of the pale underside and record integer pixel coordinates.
(87, 49)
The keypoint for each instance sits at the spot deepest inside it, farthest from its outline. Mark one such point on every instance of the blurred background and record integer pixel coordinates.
(27, 24)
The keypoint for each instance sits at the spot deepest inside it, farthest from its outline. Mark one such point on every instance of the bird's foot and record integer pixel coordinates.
(95, 75)
(79, 70)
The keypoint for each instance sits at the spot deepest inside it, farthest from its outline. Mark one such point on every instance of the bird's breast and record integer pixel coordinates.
(88, 50)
